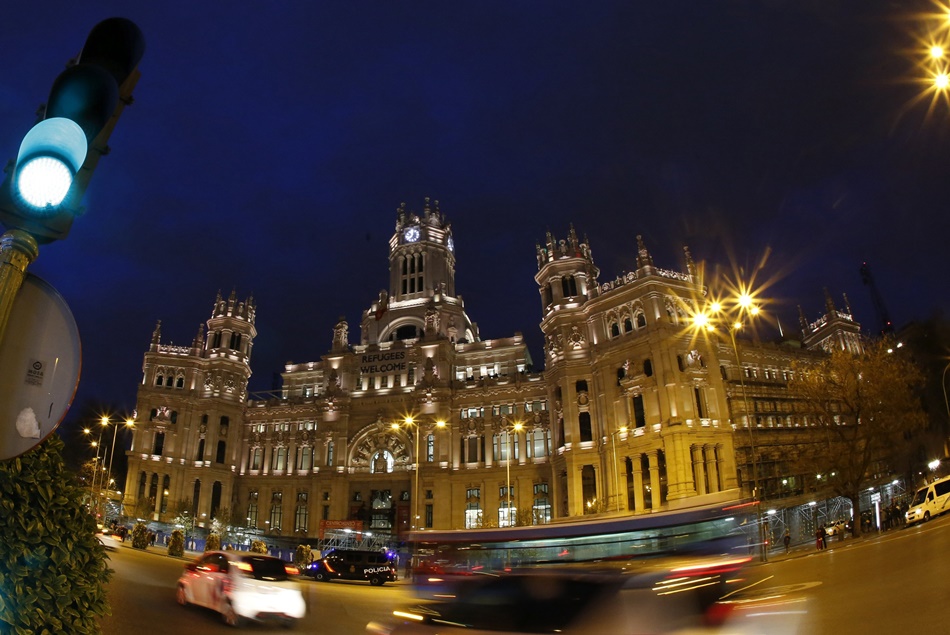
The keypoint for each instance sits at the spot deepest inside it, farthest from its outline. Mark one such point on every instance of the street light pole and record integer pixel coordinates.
(410, 422)
(115, 432)
(516, 427)
(745, 306)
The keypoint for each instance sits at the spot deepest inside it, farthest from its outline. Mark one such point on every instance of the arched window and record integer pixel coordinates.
(220, 453)
(648, 367)
(382, 462)
(195, 497)
(215, 498)
(159, 380)
(641, 320)
(614, 329)
(180, 382)
(200, 455)
(627, 325)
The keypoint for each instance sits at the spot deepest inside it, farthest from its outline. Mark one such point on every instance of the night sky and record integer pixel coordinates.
(270, 144)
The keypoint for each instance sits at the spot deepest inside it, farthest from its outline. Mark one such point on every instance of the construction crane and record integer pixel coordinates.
(883, 317)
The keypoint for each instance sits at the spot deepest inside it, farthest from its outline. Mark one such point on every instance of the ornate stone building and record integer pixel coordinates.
(423, 423)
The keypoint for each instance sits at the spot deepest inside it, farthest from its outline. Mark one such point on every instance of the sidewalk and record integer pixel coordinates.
(807, 549)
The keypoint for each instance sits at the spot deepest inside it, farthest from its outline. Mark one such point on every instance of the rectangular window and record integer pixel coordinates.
(506, 514)
(302, 516)
(326, 512)
(700, 402)
(473, 516)
(537, 444)
(639, 416)
(276, 512)
(255, 459)
(279, 462)
(330, 453)
(428, 518)
(304, 457)
(430, 448)
(541, 511)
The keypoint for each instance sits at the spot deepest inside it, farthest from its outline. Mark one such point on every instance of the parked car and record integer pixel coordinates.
(930, 500)
(376, 567)
(243, 586)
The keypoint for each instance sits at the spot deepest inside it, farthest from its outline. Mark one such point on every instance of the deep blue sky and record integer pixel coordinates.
(271, 142)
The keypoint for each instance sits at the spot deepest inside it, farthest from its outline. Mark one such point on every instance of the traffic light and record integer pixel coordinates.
(42, 192)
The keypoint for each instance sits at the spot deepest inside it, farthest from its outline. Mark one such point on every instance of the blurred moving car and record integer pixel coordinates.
(243, 586)
(377, 567)
(109, 540)
(602, 599)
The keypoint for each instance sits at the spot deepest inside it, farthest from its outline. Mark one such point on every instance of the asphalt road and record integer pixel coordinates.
(880, 584)
(142, 595)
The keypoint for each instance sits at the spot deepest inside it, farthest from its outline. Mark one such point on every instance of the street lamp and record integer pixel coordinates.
(129, 423)
(743, 307)
(410, 422)
(514, 427)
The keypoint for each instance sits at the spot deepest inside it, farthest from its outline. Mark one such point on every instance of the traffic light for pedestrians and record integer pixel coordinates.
(43, 189)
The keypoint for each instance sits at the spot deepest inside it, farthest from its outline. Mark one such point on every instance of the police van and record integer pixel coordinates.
(929, 501)
(376, 567)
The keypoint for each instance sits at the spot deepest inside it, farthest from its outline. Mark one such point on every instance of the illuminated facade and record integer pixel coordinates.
(632, 413)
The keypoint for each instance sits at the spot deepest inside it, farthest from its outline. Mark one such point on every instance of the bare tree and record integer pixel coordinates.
(862, 412)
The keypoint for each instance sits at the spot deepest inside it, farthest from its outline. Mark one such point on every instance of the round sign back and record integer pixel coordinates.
(40, 359)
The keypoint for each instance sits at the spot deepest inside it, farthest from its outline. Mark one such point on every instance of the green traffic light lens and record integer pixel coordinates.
(43, 182)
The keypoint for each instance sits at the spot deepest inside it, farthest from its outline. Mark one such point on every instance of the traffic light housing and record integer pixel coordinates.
(43, 188)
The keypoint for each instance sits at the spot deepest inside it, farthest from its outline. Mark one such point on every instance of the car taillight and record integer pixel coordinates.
(291, 570)
(329, 568)
(244, 566)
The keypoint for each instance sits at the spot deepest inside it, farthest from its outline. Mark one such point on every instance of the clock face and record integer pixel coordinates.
(450, 243)
(411, 234)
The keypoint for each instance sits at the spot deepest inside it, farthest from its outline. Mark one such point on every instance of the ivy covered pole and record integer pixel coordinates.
(53, 569)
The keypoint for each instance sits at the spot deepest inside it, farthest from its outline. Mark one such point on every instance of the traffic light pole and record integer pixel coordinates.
(17, 250)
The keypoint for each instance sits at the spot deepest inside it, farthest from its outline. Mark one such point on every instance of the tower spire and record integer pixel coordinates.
(690, 265)
(644, 259)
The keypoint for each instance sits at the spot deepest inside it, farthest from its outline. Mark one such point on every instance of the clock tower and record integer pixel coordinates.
(421, 297)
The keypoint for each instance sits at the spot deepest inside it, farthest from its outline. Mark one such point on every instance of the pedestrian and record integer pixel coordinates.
(820, 537)
(787, 540)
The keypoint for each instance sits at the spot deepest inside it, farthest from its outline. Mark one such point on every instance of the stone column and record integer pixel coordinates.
(712, 467)
(637, 484)
(699, 472)
(654, 480)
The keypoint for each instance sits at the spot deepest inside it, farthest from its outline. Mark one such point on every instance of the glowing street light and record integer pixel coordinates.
(409, 422)
(742, 306)
(515, 427)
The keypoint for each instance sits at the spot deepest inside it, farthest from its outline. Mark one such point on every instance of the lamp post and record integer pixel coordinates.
(129, 423)
(95, 468)
(613, 440)
(514, 427)
(744, 307)
(409, 422)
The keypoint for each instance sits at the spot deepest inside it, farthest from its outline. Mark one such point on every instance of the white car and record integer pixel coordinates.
(109, 540)
(836, 528)
(243, 586)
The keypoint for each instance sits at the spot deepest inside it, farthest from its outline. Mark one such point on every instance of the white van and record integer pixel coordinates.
(929, 501)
